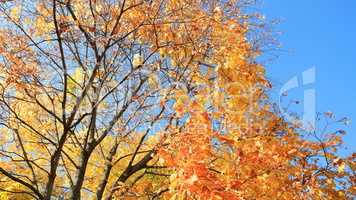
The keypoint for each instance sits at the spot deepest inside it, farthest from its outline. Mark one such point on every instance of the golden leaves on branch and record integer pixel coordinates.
(225, 141)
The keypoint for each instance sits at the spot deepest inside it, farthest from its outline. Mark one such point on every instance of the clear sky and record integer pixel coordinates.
(322, 34)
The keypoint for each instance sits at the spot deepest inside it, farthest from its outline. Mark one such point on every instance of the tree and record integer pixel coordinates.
(137, 99)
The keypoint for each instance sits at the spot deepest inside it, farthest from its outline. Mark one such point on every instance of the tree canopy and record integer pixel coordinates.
(151, 99)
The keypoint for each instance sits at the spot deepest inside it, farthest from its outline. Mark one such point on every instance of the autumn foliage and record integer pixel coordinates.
(151, 99)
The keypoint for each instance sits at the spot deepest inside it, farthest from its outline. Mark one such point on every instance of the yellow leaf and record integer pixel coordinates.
(341, 168)
(15, 12)
(137, 60)
(76, 78)
(152, 81)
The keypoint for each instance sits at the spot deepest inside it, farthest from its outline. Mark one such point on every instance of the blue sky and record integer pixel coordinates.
(321, 34)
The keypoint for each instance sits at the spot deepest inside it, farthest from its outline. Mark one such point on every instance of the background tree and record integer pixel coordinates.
(138, 99)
